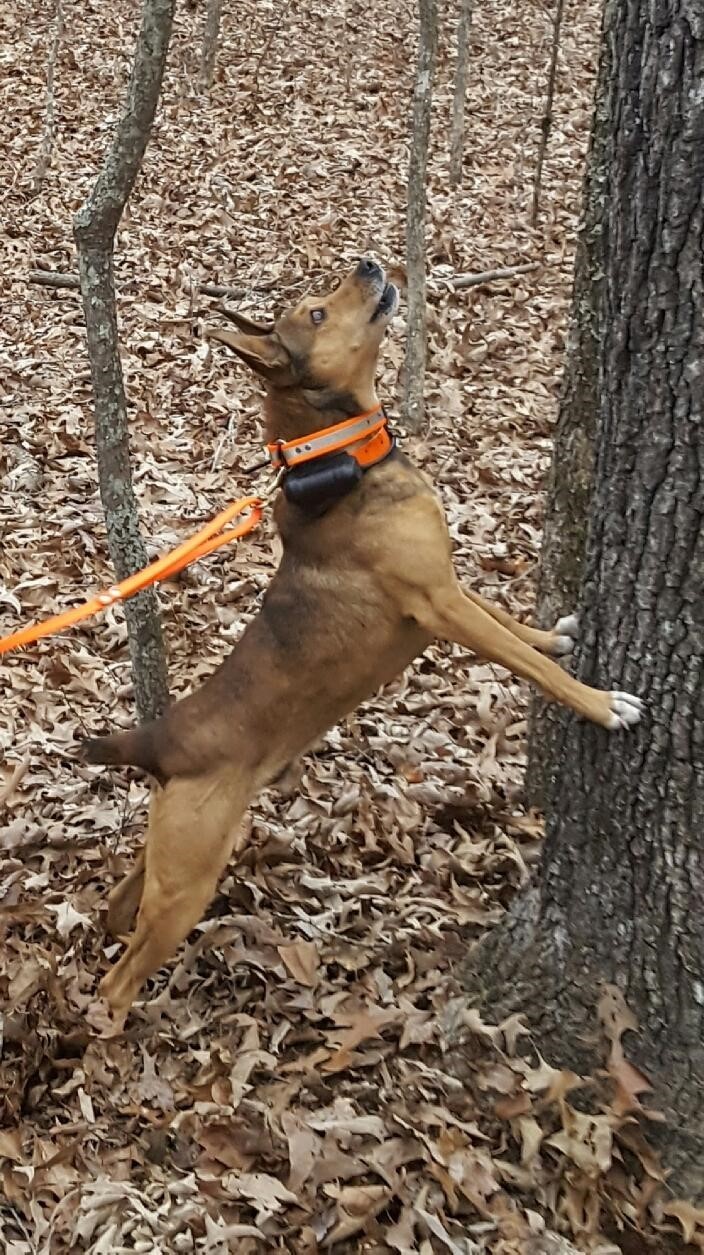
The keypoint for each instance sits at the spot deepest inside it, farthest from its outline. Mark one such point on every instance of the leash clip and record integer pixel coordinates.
(277, 454)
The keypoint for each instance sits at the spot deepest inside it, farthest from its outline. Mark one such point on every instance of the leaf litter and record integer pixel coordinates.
(282, 1087)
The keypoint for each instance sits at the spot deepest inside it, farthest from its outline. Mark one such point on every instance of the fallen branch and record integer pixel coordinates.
(53, 279)
(491, 276)
(56, 279)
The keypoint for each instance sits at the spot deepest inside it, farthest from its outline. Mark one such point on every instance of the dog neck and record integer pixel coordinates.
(294, 412)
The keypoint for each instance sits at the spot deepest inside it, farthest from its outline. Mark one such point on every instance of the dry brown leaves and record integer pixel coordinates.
(282, 1088)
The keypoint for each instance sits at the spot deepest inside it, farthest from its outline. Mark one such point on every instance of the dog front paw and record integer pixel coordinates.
(565, 635)
(626, 710)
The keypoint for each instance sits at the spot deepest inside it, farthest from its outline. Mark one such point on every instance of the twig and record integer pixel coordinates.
(458, 100)
(44, 155)
(219, 289)
(491, 276)
(272, 32)
(546, 120)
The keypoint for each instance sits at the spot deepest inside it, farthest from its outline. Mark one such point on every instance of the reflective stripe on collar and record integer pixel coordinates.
(289, 453)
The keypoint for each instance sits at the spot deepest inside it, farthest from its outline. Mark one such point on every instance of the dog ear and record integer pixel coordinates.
(248, 325)
(264, 354)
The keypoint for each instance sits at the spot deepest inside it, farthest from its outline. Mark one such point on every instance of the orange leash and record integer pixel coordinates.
(365, 436)
(211, 537)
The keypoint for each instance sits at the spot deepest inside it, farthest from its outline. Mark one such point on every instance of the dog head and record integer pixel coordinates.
(320, 357)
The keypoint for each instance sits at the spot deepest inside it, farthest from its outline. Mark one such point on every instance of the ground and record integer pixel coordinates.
(282, 1086)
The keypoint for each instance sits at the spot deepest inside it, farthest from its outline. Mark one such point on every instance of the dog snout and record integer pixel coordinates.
(369, 270)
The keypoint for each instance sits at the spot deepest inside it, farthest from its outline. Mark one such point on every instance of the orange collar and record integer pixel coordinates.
(365, 437)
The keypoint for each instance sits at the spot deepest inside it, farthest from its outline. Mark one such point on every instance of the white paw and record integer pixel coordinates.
(566, 633)
(625, 711)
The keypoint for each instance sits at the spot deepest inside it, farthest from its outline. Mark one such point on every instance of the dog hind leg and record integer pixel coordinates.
(123, 902)
(192, 829)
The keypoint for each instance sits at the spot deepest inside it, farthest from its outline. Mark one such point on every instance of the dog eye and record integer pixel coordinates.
(317, 315)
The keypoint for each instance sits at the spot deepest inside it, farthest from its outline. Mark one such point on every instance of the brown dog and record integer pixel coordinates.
(365, 584)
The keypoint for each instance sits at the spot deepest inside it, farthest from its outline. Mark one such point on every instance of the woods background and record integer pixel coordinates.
(330, 947)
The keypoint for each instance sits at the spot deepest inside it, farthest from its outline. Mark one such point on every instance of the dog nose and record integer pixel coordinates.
(368, 269)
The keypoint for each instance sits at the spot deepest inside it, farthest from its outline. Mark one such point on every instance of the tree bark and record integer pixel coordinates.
(95, 225)
(622, 883)
(460, 92)
(415, 222)
(571, 474)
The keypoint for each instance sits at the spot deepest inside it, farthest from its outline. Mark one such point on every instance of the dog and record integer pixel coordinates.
(365, 584)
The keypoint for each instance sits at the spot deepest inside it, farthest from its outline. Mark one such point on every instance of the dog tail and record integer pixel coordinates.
(125, 749)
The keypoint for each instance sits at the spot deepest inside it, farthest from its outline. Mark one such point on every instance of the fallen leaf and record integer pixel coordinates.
(67, 918)
(690, 1217)
(11, 1145)
(363, 1024)
(356, 1206)
(302, 960)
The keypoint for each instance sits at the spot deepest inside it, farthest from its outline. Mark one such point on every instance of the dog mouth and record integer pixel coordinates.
(388, 302)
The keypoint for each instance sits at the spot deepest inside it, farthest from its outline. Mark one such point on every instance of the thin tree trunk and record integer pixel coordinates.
(464, 25)
(415, 225)
(620, 899)
(546, 120)
(44, 156)
(95, 225)
(211, 34)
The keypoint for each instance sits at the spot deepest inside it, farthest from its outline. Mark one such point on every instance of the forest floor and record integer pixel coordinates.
(282, 1087)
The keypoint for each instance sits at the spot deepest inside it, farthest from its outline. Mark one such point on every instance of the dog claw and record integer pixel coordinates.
(626, 710)
(566, 634)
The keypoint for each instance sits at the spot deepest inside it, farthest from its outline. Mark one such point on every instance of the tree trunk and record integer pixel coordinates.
(95, 225)
(622, 885)
(460, 92)
(44, 156)
(415, 223)
(211, 34)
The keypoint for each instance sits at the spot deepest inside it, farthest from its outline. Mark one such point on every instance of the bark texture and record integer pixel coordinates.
(415, 222)
(623, 881)
(95, 225)
(571, 474)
